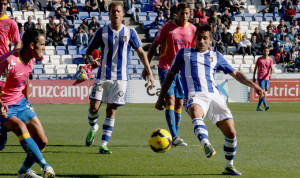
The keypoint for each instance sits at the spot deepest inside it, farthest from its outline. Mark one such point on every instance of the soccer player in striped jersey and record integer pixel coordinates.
(16, 112)
(202, 98)
(264, 67)
(115, 41)
(173, 36)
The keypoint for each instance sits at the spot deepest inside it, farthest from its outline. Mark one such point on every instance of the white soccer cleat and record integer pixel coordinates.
(178, 142)
(30, 174)
(48, 172)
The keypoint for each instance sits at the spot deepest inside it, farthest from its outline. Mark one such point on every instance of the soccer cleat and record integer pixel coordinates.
(259, 109)
(231, 171)
(29, 174)
(178, 142)
(209, 151)
(104, 150)
(48, 172)
(3, 137)
(91, 136)
(267, 107)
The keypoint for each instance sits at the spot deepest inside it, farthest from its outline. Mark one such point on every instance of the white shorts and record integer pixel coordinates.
(109, 91)
(213, 105)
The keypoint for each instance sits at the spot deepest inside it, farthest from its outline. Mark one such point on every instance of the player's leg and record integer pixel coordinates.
(28, 144)
(197, 113)
(261, 83)
(264, 98)
(230, 145)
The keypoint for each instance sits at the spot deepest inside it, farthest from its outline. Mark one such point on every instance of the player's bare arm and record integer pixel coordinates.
(18, 45)
(94, 63)
(254, 73)
(4, 110)
(142, 55)
(239, 76)
(160, 103)
(150, 55)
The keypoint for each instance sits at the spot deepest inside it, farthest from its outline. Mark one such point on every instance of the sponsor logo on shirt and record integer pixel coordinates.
(124, 38)
(6, 26)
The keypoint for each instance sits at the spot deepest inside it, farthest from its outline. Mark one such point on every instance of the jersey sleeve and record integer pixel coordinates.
(178, 61)
(134, 40)
(223, 65)
(14, 34)
(3, 70)
(162, 34)
(97, 39)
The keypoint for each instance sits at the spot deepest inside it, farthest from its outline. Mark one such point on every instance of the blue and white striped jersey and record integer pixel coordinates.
(198, 70)
(115, 48)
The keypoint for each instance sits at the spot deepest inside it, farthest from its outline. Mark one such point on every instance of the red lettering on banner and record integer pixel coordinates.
(59, 91)
(281, 90)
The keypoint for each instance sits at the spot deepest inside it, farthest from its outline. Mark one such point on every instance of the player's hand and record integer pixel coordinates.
(270, 78)
(151, 80)
(4, 110)
(254, 80)
(160, 103)
(144, 74)
(95, 64)
(261, 93)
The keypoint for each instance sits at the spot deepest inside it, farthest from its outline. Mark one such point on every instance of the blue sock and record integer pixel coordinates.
(264, 101)
(108, 126)
(32, 150)
(200, 131)
(259, 102)
(178, 118)
(229, 150)
(27, 164)
(170, 117)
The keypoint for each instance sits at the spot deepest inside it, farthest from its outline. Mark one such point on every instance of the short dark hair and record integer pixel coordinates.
(114, 4)
(182, 5)
(31, 36)
(203, 28)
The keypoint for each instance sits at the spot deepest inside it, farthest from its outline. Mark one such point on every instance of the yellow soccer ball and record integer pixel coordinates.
(160, 141)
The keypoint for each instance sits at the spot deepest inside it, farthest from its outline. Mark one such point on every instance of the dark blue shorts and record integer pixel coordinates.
(22, 110)
(264, 84)
(176, 86)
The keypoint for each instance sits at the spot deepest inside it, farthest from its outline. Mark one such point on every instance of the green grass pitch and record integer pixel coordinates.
(268, 144)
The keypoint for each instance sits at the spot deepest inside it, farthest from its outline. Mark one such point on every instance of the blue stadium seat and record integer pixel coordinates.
(44, 77)
(60, 48)
(101, 22)
(248, 17)
(147, 24)
(35, 77)
(258, 17)
(137, 6)
(238, 17)
(60, 52)
(72, 51)
(152, 33)
(83, 15)
(268, 16)
(77, 22)
(65, 77)
(37, 71)
(134, 60)
(135, 76)
(107, 22)
(141, 16)
(105, 17)
(76, 25)
(131, 69)
(52, 77)
(139, 68)
(72, 47)
(144, 1)
(103, 13)
(96, 14)
(77, 59)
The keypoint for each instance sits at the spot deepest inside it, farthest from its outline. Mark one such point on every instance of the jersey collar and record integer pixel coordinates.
(3, 17)
(174, 22)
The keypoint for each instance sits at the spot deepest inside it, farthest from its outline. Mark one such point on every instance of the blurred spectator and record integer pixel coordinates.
(296, 42)
(73, 12)
(226, 19)
(64, 28)
(255, 46)
(123, 22)
(102, 6)
(294, 53)
(267, 43)
(168, 16)
(237, 36)
(173, 10)
(291, 34)
(266, 9)
(53, 4)
(235, 6)
(63, 11)
(224, 5)
(274, 6)
(220, 26)
(94, 25)
(92, 6)
(42, 5)
(40, 25)
(166, 5)
(192, 18)
(57, 37)
(27, 5)
(287, 45)
(80, 37)
(284, 6)
(18, 23)
(207, 9)
(297, 63)
(159, 20)
(244, 46)
(290, 14)
(282, 56)
(203, 19)
(22, 31)
(133, 11)
(198, 12)
(29, 24)
(270, 34)
(157, 6)
(91, 34)
(282, 25)
(217, 40)
(297, 6)
(296, 26)
(213, 19)
(81, 74)
(258, 34)
(279, 36)
(227, 39)
(50, 27)
(273, 27)
(84, 25)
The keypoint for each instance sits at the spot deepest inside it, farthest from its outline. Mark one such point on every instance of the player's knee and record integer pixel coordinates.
(231, 133)
(43, 144)
(93, 110)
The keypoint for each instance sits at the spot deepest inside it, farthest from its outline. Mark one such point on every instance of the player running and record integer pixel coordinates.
(264, 67)
(197, 66)
(17, 114)
(173, 36)
(115, 41)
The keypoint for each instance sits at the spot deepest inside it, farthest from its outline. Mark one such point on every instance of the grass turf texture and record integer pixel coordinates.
(268, 144)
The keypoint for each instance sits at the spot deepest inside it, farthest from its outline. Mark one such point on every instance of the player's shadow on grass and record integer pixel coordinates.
(138, 175)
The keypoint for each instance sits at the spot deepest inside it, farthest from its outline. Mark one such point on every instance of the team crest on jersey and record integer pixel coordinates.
(189, 33)
(124, 38)
(121, 93)
(210, 59)
(6, 26)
